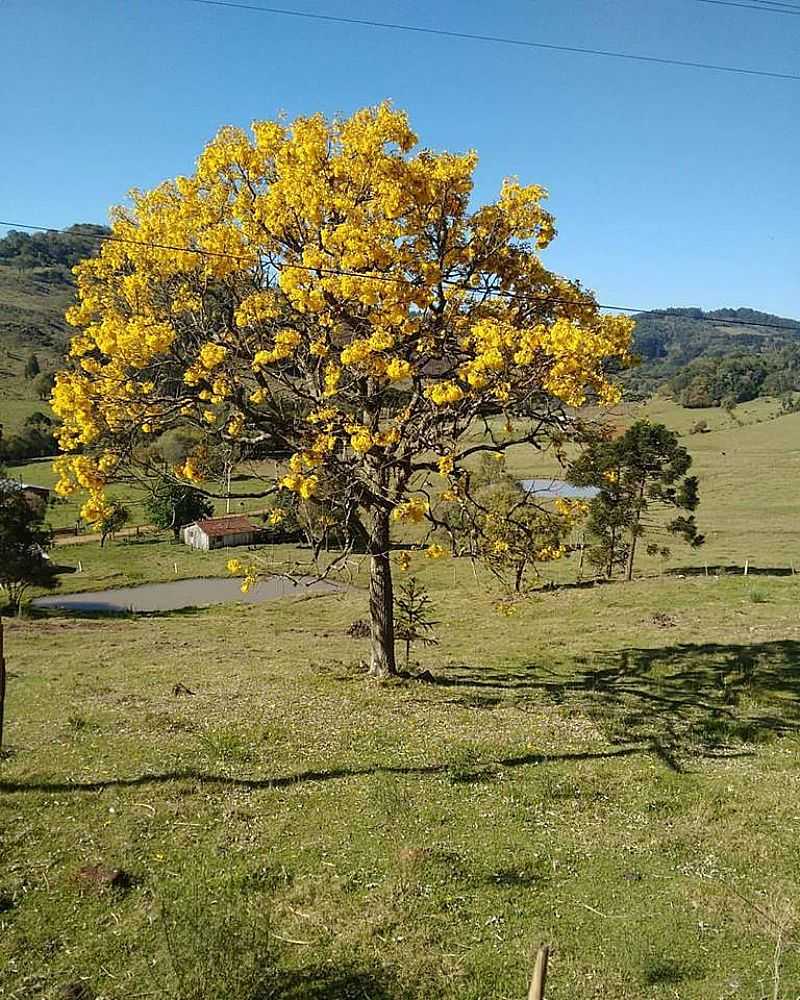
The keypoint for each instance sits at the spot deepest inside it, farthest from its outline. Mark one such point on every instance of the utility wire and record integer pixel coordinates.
(374, 276)
(753, 6)
(497, 39)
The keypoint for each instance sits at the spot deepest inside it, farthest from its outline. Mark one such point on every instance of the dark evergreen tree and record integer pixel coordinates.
(642, 479)
(24, 542)
(32, 366)
(172, 505)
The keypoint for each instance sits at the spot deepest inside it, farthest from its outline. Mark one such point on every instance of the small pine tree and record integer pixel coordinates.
(413, 622)
(32, 367)
(43, 385)
(116, 517)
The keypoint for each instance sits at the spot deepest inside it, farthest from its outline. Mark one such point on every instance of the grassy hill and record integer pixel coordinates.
(31, 321)
(36, 287)
(613, 770)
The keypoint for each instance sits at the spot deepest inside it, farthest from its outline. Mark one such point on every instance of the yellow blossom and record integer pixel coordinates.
(212, 355)
(398, 369)
(413, 509)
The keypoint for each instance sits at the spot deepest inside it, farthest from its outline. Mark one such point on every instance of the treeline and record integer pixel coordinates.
(738, 378)
(55, 249)
(667, 342)
(35, 440)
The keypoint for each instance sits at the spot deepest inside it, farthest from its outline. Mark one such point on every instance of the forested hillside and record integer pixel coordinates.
(36, 286)
(667, 342)
(679, 348)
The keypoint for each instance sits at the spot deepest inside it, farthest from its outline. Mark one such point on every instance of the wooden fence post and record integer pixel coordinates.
(539, 974)
(2, 683)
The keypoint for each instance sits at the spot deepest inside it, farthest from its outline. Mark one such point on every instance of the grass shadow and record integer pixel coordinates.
(718, 570)
(333, 983)
(677, 698)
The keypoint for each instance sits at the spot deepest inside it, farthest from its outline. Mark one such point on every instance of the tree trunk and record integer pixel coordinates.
(612, 553)
(631, 556)
(381, 598)
(2, 684)
(635, 533)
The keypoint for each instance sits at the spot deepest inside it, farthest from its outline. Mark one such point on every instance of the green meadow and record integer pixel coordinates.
(218, 802)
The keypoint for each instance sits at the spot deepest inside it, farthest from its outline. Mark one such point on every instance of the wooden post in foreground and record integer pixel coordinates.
(2, 683)
(539, 974)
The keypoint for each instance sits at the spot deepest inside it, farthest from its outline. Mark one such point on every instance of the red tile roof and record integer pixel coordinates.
(234, 524)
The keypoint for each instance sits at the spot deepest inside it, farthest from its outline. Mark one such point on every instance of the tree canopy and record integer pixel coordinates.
(173, 505)
(640, 476)
(24, 541)
(340, 302)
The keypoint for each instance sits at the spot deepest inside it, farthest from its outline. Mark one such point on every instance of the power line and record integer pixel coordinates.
(373, 276)
(496, 39)
(771, 9)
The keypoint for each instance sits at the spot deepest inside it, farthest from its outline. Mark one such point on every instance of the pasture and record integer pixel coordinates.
(218, 802)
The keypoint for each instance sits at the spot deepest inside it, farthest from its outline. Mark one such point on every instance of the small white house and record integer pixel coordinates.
(220, 532)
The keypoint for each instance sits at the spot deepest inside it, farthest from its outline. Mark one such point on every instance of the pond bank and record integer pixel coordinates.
(177, 594)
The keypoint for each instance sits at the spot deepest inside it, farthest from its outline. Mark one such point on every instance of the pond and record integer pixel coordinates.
(177, 594)
(550, 489)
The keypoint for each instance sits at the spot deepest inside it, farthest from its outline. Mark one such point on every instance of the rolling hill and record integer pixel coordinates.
(36, 286)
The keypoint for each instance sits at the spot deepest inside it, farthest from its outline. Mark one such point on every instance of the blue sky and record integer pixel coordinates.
(670, 186)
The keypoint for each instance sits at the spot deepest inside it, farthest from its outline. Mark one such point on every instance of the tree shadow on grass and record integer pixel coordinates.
(304, 777)
(719, 570)
(674, 702)
(332, 983)
(682, 698)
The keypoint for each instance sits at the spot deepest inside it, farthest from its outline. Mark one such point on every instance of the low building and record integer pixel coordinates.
(220, 532)
(35, 495)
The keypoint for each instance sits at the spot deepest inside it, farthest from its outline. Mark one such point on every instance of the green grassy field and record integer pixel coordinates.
(614, 769)
(31, 319)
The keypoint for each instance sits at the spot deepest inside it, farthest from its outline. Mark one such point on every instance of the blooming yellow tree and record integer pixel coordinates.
(326, 292)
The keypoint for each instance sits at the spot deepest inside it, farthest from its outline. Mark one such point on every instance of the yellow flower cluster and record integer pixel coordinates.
(398, 369)
(212, 355)
(304, 486)
(414, 510)
(435, 551)
(550, 552)
(194, 467)
(571, 509)
(361, 440)
(446, 465)
(299, 221)
(285, 343)
(247, 571)
(442, 393)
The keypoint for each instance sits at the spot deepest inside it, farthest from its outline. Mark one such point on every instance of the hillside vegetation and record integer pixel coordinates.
(669, 341)
(36, 287)
(679, 348)
(613, 770)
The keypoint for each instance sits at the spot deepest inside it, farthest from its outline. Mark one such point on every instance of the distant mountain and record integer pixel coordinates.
(676, 346)
(669, 340)
(36, 286)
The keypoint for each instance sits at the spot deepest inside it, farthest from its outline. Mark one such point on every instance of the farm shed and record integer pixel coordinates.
(35, 495)
(220, 532)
